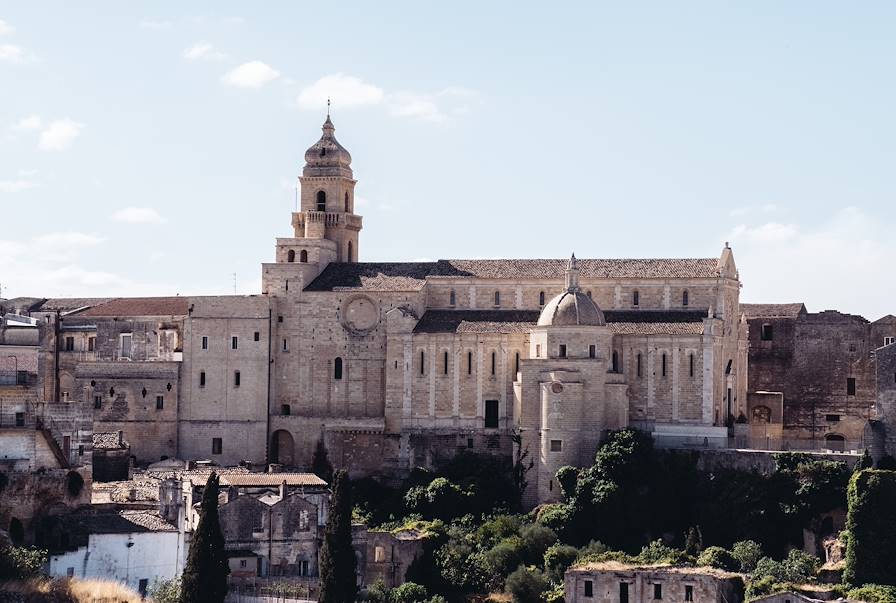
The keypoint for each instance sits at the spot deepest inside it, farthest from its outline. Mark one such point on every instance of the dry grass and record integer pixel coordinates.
(95, 591)
(71, 591)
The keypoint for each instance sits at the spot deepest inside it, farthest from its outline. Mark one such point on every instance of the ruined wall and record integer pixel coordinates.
(886, 396)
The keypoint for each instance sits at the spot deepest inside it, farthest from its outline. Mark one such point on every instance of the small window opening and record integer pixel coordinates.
(201, 378)
(615, 361)
(160, 402)
(217, 445)
(657, 591)
(767, 333)
(491, 414)
(236, 378)
(444, 363)
(556, 445)
(589, 588)
(516, 363)
(636, 299)
(664, 365)
(97, 401)
(562, 353)
(303, 256)
(256, 336)
(691, 362)
(497, 298)
(851, 386)
(346, 203)
(452, 298)
(688, 592)
(592, 351)
(422, 362)
(337, 368)
(321, 199)
(541, 298)
(285, 410)
(639, 365)
(234, 342)
(291, 256)
(494, 362)
(469, 363)
(685, 298)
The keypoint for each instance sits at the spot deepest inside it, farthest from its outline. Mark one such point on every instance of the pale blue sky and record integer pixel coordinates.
(152, 148)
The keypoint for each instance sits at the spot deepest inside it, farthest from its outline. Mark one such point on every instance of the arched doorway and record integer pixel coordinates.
(282, 447)
(835, 442)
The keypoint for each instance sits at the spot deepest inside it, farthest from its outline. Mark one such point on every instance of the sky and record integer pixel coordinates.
(153, 148)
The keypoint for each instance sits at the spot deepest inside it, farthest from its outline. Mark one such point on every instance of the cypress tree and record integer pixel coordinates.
(320, 462)
(205, 575)
(338, 582)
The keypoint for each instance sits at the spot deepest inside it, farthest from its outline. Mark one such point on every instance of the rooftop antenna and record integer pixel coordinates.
(234, 283)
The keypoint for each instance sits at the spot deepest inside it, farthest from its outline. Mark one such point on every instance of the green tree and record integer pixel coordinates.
(205, 575)
(527, 585)
(338, 581)
(871, 528)
(165, 591)
(865, 462)
(536, 539)
(409, 592)
(21, 562)
(320, 462)
(716, 556)
(557, 560)
(748, 553)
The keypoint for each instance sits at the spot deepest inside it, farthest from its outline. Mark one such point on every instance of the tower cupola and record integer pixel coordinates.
(327, 157)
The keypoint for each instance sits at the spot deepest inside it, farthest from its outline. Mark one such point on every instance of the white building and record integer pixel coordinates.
(135, 547)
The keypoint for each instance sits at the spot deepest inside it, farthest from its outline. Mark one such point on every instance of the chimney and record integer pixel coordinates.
(120, 437)
(282, 489)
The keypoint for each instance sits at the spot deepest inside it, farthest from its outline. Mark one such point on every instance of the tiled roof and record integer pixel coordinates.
(106, 440)
(477, 321)
(122, 522)
(67, 304)
(772, 310)
(271, 479)
(140, 306)
(623, 322)
(411, 276)
(656, 328)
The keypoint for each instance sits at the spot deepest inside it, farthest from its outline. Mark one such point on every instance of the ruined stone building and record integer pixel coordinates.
(823, 365)
(615, 582)
(395, 365)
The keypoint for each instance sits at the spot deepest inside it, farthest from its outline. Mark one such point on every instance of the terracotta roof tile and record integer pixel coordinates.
(107, 440)
(772, 310)
(271, 479)
(411, 276)
(656, 328)
(140, 306)
(67, 304)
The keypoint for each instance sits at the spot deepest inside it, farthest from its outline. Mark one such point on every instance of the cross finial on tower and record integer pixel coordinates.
(328, 107)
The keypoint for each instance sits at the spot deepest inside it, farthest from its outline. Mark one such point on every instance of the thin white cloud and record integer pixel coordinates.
(32, 122)
(203, 51)
(15, 186)
(59, 135)
(10, 53)
(5, 28)
(253, 74)
(68, 239)
(138, 215)
(154, 25)
(345, 90)
(831, 265)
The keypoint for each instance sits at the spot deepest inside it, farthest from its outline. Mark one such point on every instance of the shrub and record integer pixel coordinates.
(409, 592)
(21, 562)
(658, 552)
(748, 553)
(568, 477)
(496, 529)
(527, 585)
(165, 591)
(557, 560)
(716, 556)
(873, 593)
(592, 549)
(505, 556)
(872, 531)
(536, 539)
(74, 483)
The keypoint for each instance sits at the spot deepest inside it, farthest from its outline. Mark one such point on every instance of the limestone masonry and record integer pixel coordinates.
(395, 365)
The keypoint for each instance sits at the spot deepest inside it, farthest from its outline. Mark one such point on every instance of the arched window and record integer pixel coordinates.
(291, 256)
(588, 293)
(541, 298)
(497, 298)
(452, 298)
(685, 298)
(303, 256)
(636, 299)
(337, 368)
(346, 203)
(350, 252)
(835, 442)
(321, 201)
(615, 361)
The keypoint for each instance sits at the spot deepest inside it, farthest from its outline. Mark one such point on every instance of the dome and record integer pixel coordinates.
(572, 307)
(569, 309)
(327, 157)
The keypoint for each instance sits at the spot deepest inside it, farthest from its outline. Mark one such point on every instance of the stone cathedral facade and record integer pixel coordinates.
(397, 365)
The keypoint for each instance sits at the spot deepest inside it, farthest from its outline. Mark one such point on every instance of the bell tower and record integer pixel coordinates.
(328, 198)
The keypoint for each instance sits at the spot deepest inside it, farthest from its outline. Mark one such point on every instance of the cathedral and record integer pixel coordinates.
(397, 365)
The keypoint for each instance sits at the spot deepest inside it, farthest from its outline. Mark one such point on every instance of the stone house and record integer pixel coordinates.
(823, 367)
(885, 427)
(111, 457)
(614, 582)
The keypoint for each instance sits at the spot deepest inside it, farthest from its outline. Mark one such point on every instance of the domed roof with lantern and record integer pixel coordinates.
(327, 157)
(572, 307)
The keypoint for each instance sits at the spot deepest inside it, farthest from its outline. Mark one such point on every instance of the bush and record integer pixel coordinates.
(74, 483)
(797, 567)
(716, 556)
(657, 552)
(505, 556)
(165, 591)
(409, 592)
(748, 553)
(527, 585)
(592, 549)
(557, 560)
(21, 562)
(496, 529)
(873, 593)
(535, 540)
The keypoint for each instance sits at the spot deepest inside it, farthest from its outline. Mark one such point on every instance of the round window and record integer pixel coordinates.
(557, 387)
